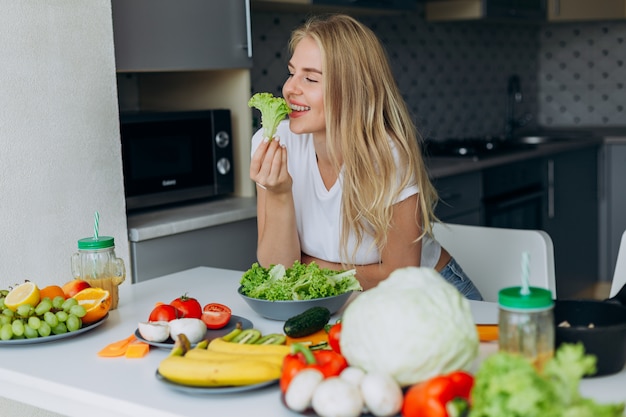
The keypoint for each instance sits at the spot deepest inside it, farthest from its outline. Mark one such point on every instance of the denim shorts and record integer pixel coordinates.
(453, 273)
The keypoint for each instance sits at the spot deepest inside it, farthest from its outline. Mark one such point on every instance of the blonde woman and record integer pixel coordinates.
(343, 182)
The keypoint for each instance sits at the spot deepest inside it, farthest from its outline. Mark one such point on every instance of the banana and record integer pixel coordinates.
(220, 345)
(214, 355)
(217, 373)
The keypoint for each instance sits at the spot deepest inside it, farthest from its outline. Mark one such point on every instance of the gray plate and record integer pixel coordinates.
(54, 337)
(212, 390)
(210, 334)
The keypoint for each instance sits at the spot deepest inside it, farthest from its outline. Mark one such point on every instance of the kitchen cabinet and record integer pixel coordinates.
(508, 10)
(459, 198)
(347, 6)
(581, 10)
(571, 218)
(613, 204)
(229, 245)
(183, 35)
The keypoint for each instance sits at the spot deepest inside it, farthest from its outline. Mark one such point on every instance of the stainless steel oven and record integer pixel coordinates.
(514, 195)
(174, 157)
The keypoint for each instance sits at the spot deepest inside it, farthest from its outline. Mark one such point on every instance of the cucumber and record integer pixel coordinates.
(308, 322)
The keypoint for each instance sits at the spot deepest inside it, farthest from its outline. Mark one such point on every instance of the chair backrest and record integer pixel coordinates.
(492, 257)
(619, 276)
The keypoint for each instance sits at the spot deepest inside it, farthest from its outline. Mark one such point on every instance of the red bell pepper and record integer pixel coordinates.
(328, 362)
(334, 334)
(441, 396)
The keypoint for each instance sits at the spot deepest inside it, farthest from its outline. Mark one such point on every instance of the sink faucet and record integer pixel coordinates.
(515, 97)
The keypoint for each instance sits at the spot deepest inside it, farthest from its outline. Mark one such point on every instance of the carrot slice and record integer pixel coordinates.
(487, 332)
(137, 350)
(117, 348)
(316, 338)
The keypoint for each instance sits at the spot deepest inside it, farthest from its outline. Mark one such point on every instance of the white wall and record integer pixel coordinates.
(60, 157)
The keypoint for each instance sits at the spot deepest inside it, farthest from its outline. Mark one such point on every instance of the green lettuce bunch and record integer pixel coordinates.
(508, 385)
(273, 110)
(299, 282)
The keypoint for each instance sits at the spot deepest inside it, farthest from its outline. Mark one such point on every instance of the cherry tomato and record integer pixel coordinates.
(187, 307)
(163, 312)
(216, 315)
(334, 334)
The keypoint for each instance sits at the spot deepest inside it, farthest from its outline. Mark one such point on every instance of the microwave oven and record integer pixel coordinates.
(176, 156)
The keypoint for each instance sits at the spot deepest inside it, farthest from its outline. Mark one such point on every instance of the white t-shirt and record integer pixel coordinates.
(318, 209)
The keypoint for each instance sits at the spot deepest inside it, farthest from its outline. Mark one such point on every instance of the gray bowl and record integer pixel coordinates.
(283, 310)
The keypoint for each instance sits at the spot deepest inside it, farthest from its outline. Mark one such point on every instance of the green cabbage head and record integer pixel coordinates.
(413, 326)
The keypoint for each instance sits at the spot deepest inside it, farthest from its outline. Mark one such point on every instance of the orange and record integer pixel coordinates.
(97, 303)
(51, 291)
(26, 293)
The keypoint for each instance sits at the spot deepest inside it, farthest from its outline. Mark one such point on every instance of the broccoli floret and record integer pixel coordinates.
(273, 110)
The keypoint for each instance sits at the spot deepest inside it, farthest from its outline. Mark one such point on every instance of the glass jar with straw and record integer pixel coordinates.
(96, 263)
(526, 320)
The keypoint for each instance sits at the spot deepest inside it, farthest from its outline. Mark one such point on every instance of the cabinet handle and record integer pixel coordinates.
(248, 45)
(550, 189)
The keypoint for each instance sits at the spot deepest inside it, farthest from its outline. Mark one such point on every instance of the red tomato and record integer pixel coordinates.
(334, 334)
(216, 315)
(187, 307)
(163, 312)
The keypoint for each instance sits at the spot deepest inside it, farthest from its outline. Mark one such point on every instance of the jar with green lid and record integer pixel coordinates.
(526, 323)
(96, 263)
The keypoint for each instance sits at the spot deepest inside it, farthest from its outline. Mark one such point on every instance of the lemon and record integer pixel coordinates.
(26, 293)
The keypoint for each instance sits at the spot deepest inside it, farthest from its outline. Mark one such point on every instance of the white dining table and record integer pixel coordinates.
(67, 376)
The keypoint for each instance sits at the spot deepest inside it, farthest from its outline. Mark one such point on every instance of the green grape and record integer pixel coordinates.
(44, 306)
(2, 306)
(34, 322)
(5, 319)
(67, 304)
(51, 319)
(59, 328)
(8, 313)
(57, 302)
(44, 330)
(62, 316)
(6, 332)
(78, 310)
(73, 323)
(18, 327)
(24, 310)
(29, 332)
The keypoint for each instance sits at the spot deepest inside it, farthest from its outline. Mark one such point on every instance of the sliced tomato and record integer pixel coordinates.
(216, 315)
(163, 312)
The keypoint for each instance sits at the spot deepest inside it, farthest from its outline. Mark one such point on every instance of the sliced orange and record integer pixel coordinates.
(97, 303)
(51, 291)
(26, 293)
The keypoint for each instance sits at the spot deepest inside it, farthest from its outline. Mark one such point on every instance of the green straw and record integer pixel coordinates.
(96, 221)
(525, 290)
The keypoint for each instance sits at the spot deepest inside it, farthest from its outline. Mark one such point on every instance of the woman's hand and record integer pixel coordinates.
(268, 167)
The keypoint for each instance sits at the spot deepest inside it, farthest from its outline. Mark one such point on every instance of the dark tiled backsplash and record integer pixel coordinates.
(454, 75)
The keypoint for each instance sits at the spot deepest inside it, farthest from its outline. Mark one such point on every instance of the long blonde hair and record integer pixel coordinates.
(365, 114)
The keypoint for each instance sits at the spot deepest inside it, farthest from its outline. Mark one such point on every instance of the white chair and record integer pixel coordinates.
(492, 257)
(619, 276)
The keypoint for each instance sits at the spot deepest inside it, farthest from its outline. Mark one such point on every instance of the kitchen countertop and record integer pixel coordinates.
(67, 376)
(170, 221)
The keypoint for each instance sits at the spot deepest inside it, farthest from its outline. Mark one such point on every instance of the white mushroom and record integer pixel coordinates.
(382, 394)
(194, 329)
(353, 374)
(336, 397)
(154, 331)
(301, 388)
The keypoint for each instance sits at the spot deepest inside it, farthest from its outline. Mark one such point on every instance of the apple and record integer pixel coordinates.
(73, 287)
